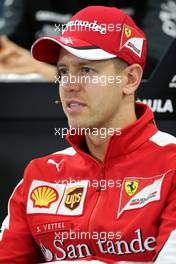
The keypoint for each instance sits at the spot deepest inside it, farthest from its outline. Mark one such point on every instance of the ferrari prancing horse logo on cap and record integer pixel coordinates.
(127, 32)
(131, 186)
(132, 39)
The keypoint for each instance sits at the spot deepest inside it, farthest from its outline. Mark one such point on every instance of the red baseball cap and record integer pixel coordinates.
(96, 33)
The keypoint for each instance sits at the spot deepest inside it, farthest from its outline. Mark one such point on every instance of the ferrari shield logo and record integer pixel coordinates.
(131, 186)
(127, 32)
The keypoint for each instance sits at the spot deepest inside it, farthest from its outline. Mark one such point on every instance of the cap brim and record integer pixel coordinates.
(46, 49)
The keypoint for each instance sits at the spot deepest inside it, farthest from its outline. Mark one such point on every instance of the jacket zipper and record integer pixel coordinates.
(102, 172)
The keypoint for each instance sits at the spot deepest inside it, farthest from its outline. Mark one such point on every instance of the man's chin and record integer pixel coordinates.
(80, 123)
(75, 124)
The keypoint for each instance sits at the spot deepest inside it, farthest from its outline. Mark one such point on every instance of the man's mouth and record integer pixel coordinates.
(74, 105)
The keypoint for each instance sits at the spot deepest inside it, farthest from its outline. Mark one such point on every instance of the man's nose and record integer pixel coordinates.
(70, 82)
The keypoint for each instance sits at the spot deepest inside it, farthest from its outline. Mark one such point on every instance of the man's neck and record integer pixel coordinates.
(97, 145)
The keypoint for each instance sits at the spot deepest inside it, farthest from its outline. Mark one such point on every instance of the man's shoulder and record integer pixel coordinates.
(163, 139)
(55, 157)
(164, 148)
(48, 168)
(67, 151)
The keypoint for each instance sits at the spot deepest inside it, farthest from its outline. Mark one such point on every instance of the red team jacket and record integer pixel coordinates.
(71, 207)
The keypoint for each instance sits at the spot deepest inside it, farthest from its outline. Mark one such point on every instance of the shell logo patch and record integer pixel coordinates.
(127, 32)
(58, 199)
(131, 186)
(73, 197)
(44, 196)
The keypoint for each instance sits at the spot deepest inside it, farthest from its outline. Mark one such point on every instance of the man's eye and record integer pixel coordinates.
(86, 70)
(62, 72)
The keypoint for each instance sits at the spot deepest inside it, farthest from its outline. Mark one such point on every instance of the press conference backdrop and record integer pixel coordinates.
(29, 119)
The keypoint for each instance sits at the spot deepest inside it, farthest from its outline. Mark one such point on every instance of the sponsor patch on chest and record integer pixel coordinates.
(138, 192)
(52, 198)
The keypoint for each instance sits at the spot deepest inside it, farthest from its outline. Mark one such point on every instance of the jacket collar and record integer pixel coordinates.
(131, 137)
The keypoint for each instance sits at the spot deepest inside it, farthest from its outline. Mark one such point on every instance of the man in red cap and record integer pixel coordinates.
(110, 197)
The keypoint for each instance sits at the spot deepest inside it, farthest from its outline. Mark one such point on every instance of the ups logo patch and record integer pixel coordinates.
(73, 197)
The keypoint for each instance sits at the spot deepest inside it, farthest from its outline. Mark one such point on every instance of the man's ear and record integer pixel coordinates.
(133, 76)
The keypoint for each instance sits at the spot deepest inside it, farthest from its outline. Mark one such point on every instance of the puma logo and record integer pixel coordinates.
(51, 161)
